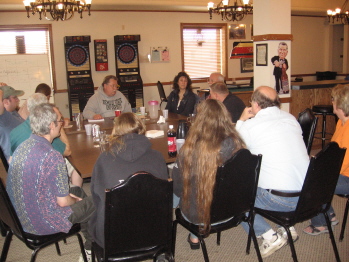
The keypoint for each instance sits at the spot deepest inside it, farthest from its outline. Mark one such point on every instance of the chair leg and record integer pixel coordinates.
(82, 249)
(344, 221)
(58, 249)
(2, 229)
(332, 237)
(6, 246)
(252, 234)
(34, 253)
(290, 242)
(174, 235)
(204, 250)
(218, 238)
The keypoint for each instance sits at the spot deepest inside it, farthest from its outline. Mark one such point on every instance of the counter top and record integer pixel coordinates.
(317, 84)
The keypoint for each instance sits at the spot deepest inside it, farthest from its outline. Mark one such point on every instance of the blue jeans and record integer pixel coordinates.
(266, 200)
(341, 188)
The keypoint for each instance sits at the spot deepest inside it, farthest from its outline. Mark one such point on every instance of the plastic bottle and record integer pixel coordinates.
(171, 141)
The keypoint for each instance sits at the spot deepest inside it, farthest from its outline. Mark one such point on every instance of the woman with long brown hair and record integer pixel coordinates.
(212, 139)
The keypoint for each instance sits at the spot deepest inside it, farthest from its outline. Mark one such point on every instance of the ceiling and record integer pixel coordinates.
(300, 7)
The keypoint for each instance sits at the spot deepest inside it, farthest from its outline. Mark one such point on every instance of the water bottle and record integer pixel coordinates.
(79, 121)
(171, 141)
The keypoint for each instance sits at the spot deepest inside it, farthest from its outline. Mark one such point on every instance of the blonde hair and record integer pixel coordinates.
(200, 155)
(126, 123)
(340, 95)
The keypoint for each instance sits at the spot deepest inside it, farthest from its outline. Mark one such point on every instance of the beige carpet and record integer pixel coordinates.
(232, 248)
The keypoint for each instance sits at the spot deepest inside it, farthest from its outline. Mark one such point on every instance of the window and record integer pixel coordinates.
(204, 49)
(24, 42)
(25, 57)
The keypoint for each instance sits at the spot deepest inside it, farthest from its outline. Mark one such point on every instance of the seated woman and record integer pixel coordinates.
(129, 151)
(340, 101)
(212, 139)
(182, 100)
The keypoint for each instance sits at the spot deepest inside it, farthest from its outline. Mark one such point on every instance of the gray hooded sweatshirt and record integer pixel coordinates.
(105, 105)
(112, 169)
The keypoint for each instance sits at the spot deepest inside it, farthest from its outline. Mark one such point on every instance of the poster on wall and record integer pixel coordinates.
(159, 54)
(242, 50)
(280, 63)
(101, 55)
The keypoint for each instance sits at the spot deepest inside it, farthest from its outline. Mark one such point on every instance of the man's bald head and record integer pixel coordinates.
(265, 96)
(214, 78)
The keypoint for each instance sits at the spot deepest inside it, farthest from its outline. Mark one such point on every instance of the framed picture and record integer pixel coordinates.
(237, 31)
(101, 55)
(246, 65)
(261, 54)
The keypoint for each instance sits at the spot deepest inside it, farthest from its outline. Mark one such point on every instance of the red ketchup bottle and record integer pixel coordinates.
(171, 141)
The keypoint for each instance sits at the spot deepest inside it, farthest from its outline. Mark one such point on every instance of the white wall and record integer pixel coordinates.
(163, 29)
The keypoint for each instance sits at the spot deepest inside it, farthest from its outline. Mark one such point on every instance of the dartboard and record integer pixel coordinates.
(127, 53)
(77, 55)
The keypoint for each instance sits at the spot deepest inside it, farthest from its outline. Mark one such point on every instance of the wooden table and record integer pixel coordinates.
(85, 151)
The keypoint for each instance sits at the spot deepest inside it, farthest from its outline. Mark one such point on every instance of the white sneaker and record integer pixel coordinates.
(88, 256)
(268, 247)
(282, 232)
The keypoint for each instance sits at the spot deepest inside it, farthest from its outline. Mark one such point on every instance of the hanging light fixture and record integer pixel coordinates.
(339, 15)
(54, 10)
(228, 12)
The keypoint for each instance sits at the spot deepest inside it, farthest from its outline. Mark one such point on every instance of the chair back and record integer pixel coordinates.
(3, 159)
(236, 186)
(138, 214)
(8, 214)
(308, 122)
(320, 182)
(161, 90)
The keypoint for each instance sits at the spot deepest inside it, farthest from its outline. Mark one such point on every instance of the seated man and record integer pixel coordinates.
(9, 118)
(214, 78)
(106, 100)
(276, 135)
(234, 105)
(37, 182)
(41, 88)
(22, 132)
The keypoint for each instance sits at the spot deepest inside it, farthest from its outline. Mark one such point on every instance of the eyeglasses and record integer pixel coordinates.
(115, 86)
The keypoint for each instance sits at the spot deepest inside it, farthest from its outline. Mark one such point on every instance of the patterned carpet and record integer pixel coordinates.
(232, 248)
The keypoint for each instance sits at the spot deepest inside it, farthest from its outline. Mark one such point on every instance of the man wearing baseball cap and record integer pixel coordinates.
(9, 117)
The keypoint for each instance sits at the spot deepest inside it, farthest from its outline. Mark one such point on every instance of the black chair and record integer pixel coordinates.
(233, 197)
(3, 159)
(4, 170)
(34, 242)
(345, 217)
(162, 95)
(138, 220)
(308, 122)
(316, 195)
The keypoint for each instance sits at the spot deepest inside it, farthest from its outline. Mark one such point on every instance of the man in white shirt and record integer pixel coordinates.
(276, 135)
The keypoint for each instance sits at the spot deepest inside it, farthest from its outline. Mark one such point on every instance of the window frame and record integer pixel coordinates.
(37, 27)
(222, 26)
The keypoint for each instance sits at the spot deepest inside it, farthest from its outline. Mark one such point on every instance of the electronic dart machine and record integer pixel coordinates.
(80, 84)
(127, 68)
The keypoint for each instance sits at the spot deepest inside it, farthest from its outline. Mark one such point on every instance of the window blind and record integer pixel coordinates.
(204, 50)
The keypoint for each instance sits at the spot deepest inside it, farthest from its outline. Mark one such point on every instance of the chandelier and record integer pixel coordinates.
(228, 12)
(54, 10)
(338, 15)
